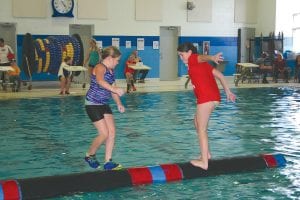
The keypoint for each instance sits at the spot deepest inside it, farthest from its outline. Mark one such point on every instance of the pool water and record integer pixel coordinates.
(49, 136)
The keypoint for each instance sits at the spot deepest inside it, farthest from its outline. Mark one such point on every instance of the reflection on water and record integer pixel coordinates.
(49, 136)
(286, 120)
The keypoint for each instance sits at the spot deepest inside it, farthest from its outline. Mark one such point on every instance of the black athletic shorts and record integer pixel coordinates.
(96, 112)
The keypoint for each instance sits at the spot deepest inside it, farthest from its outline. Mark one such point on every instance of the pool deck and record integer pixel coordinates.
(51, 88)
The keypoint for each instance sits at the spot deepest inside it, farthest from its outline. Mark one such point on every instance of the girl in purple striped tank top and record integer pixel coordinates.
(102, 89)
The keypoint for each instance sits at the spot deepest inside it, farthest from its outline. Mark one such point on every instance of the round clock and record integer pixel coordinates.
(62, 8)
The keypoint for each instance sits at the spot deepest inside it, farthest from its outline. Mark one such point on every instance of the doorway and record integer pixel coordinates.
(168, 38)
(8, 33)
(85, 32)
(244, 37)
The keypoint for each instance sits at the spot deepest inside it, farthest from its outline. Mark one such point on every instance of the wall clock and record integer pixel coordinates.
(62, 8)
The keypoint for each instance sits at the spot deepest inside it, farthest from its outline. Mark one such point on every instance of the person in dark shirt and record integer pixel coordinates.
(265, 65)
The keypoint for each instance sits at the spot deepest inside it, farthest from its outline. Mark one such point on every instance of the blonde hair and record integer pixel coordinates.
(93, 40)
(112, 51)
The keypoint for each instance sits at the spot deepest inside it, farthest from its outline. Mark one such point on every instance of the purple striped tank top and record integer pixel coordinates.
(97, 95)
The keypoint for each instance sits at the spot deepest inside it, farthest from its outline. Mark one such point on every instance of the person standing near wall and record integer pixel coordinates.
(64, 76)
(6, 55)
(93, 56)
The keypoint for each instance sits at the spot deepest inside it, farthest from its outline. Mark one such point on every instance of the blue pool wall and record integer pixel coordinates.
(150, 56)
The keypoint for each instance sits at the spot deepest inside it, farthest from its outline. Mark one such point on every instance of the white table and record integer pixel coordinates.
(75, 68)
(6, 68)
(245, 71)
(247, 65)
(137, 68)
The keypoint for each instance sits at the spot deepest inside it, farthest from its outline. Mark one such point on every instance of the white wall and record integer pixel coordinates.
(121, 20)
(266, 15)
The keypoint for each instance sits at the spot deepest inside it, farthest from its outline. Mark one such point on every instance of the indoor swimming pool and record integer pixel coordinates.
(49, 136)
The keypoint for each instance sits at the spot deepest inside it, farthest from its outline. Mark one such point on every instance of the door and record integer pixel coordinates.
(168, 70)
(86, 32)
(8, 33)
(244, 37)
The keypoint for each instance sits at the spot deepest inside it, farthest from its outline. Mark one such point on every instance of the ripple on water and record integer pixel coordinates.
(49, 136)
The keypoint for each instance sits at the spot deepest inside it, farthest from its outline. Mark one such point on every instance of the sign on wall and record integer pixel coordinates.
(23, 8)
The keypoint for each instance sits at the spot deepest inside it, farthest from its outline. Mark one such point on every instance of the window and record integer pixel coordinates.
(296, 32)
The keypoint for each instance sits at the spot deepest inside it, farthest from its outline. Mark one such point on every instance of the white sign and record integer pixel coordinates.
(99, 44)
(128, 44)
(155, 45)
(115, 42)
(140, 44)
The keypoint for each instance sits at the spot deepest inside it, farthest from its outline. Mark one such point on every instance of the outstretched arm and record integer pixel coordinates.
(220, 76)
(215, 58)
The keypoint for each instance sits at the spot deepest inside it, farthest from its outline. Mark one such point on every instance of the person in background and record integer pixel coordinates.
(280, 67)
(143, 72)
(207, 93)
(129, 72)
(206, 48)
(297, 69)
(138, 74)
(265, 65)
(64, 76)
(6, 54)
(135, 56)
(14, 75)
(93, 56)
(102, 89)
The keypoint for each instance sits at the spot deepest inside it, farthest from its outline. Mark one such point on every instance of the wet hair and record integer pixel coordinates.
(112, 51)
(185, 47)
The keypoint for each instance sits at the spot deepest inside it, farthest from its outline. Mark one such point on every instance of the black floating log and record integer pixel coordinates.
(53, 186)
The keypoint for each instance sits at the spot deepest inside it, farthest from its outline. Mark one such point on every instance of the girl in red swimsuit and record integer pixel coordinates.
(206, 90)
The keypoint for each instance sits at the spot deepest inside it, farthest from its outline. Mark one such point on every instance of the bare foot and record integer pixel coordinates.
(200, 163)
